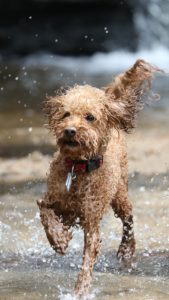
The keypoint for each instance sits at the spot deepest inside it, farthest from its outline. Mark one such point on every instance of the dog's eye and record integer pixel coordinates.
(67, 114)
(90, 118)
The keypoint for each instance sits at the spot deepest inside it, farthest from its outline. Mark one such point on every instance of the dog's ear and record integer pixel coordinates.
(125, 94)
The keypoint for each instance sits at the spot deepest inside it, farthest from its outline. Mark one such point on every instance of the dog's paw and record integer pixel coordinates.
(126, 251)
(60, 242)
(80, 294)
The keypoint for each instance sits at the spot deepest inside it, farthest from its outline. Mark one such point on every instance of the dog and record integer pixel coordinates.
(88, 174)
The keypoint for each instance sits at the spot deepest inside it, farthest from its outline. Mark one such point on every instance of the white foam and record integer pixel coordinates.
(101, 63)
(69, 296)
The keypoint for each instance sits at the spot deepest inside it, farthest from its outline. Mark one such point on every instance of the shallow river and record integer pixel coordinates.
(29, 268)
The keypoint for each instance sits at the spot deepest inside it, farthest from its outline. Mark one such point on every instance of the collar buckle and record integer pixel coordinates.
(94, 164)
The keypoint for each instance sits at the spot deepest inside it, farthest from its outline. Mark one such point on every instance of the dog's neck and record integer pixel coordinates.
(84, 165)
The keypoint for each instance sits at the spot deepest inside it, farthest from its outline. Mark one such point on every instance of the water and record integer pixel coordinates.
(31, 270)
(29, 267)
(151, 21)
(99, 63)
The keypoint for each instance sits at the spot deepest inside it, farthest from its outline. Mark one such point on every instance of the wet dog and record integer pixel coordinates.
(88, 174)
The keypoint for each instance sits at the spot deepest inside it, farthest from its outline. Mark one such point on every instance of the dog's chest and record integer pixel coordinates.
(90, 194)
(85, 190)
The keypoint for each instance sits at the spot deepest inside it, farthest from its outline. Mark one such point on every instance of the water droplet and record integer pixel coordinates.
(142, 189)
(30, 129)
(72, 265)
(16, 78)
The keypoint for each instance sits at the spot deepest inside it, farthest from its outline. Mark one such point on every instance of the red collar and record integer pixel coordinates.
(84, 165)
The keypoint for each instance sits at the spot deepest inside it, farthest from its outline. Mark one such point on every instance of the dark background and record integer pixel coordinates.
(71, 27)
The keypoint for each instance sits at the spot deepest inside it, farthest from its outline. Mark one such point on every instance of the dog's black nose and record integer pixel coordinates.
(70, 132)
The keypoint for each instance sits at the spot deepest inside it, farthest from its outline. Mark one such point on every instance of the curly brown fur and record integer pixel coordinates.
(126, 94)
(98, 119)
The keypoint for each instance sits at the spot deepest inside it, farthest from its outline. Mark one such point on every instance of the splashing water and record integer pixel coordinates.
(29, 268)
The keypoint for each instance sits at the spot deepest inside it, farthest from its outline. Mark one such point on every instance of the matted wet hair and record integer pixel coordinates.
(126, 94)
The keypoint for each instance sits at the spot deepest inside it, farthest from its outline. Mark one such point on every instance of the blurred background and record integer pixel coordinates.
(46, 44)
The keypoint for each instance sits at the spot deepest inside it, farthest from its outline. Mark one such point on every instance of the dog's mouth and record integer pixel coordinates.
(70, 143)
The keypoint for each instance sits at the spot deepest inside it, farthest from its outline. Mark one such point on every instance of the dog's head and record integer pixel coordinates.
(78, 118)
(82, 117)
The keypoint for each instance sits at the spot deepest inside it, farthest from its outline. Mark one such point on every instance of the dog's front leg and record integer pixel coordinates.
(57, 233)
(92, 244)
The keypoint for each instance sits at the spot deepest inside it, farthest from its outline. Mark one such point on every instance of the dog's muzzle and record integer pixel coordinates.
(70, 132)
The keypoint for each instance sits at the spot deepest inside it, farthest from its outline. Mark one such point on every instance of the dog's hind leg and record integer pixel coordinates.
(57, 233)
(123, 209)
(92, 244)
(127, 245)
